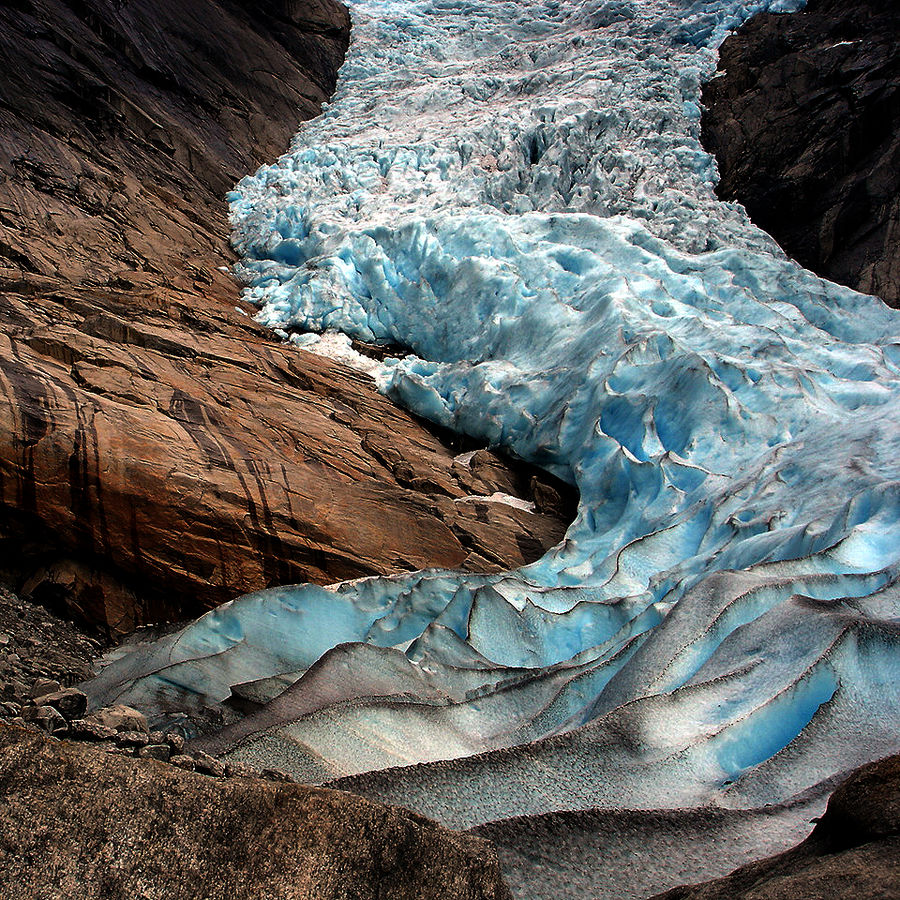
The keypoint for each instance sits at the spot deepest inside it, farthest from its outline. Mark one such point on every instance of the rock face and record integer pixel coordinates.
(159, 452)
(854, 850)
(803, 121)
(77, 822)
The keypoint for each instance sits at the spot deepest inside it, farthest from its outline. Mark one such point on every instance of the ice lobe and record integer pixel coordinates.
(516, 192)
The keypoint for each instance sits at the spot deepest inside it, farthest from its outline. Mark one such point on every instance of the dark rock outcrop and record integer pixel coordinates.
(802, 118)
(853, 852)
(77, 822)
(159, 452)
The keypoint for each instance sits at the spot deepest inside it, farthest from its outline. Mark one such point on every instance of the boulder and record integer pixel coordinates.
(209, 765)
(131, 740)
(162, 752)
(75, 822)
(175, 741)
(44, 686)
(46, 718)
(71, 703)
(183, 761)
(122, 718)
(86, 730)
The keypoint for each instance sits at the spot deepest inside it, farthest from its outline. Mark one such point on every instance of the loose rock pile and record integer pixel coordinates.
(118, 729)
(42, 657)
(61, 713)
(39, 652)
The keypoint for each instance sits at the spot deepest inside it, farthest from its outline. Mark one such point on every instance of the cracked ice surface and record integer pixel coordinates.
(517, 192)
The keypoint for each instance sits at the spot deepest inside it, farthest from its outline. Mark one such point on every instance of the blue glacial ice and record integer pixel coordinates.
(516, 192)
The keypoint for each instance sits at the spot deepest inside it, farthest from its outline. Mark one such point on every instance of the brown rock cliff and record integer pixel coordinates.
(159, 452)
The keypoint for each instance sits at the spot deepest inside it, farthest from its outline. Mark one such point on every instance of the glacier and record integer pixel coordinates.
(516, 192)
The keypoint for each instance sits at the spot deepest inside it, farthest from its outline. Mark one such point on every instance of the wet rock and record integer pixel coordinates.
(183, 761)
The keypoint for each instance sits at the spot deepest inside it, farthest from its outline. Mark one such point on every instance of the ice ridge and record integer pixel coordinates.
(517, 192)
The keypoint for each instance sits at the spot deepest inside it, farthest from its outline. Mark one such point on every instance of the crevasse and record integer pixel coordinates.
(517, 192)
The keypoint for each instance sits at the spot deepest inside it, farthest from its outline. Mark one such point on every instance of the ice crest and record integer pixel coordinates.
(517, 192)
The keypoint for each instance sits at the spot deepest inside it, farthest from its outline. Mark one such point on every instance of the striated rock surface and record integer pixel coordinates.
(77, 822)
(160, 452)
(802, 118)
(854, 850)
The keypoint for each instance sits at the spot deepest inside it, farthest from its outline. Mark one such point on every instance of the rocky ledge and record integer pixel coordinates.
(802, 117)
(160, 453)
